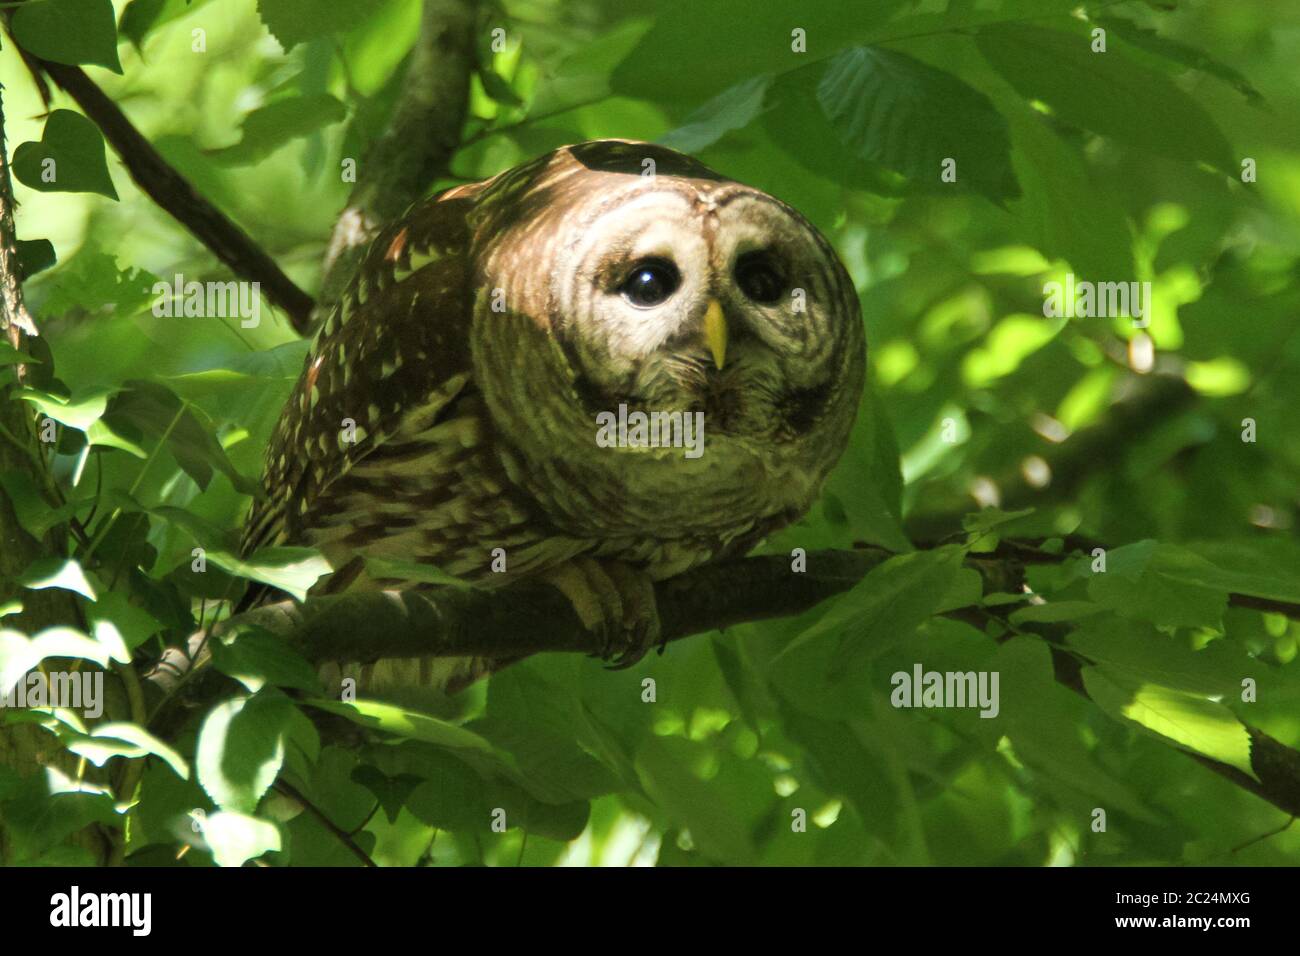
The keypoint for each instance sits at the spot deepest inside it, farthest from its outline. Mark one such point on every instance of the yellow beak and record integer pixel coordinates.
(715, 332)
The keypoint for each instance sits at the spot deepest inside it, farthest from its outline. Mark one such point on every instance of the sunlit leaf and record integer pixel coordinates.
(236, 838)
(241, 749)
(293, 570)
(1201, 725)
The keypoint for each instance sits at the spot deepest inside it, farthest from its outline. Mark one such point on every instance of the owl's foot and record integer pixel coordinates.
(613, 600)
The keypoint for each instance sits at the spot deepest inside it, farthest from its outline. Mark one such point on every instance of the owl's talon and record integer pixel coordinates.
(616, 603)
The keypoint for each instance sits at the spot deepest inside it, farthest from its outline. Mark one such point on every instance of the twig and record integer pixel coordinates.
(289, 790)
(174, 193)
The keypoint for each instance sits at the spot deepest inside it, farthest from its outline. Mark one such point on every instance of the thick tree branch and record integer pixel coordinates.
(418, 144)
(530, 617)
(174, 193)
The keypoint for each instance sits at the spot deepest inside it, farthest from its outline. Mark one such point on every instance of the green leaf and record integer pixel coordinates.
(135, 624)
(49, 808)
(11, 356)
(143, 16)
(1042, 719)
(256, 657)
(730, 110)
(453, 797)
(339, 797)
(1055, 611)
(894, 110)
(130, 741)
(107, 634)
(893, 599)
(535, 721)
(293, 21)
(167, 805)
(33, 511)
(1192, 721)
(1137, 583)
(150, 744)
(284, 362)
(140, 16)
(19, 654)
(1137, 650)
(391, 792)
(201, 530)
(57, 573)
(34, 255)
(302, 748)
(1106, 93)
(380, 568)
(404, 723)
(68, 31)
(826, 670)
(867, 482)
(241, 749)
(293, 570)
(496, 86)
(155, 410)
(666, 767)
(236, 838)
(69, 157)
(269, 127)
(583, 76)
(1261, 567)
(80, 411)
(1180, 53)
(1067, 211)
(837, 760)
(104, 435)
(92, 281)
(555, 821)
(693, 50)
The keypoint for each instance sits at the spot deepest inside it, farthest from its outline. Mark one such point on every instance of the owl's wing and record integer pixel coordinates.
(395, 347)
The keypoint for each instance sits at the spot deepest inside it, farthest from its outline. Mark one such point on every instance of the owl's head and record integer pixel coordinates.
(666, 287)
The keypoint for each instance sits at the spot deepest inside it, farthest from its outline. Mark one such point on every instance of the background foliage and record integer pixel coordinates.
(1116, 166)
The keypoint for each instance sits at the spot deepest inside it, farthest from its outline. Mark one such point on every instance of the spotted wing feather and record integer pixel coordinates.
(395, 346)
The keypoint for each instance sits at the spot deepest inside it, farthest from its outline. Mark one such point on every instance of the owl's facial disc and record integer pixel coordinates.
(688, 298)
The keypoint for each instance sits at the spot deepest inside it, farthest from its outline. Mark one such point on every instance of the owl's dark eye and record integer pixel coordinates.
(651, 282)
(758, 277)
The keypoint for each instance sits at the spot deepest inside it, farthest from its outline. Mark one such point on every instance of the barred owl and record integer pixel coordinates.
(450, 413)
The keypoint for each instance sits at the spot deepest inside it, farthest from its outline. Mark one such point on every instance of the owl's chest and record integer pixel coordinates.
(661, 507)
(457, 494)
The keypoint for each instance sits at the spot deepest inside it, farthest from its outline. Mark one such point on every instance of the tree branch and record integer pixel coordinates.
(415, 149)
(418, 144)
(531, 617)
(173, 192)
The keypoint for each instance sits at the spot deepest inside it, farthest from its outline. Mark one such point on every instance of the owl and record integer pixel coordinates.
(600, 368)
